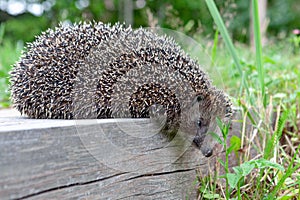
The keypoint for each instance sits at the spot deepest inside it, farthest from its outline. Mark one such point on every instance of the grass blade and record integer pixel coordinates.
(277, 135)
(222, 28)
(258, 47)
(214, 49)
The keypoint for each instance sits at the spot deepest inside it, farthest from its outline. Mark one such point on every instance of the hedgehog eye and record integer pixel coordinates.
(199, 122)
(200, 98)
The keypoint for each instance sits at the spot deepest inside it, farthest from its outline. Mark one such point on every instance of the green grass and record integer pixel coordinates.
(263, 82)
(221, 26)
(9, 54)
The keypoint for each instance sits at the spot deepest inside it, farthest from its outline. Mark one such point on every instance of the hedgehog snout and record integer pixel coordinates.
(207, 152)
(202, 130)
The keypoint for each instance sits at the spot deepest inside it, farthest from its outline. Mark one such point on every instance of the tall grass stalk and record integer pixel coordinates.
(276, 136)
(214, 48)
(222, 28)
(2, 30)
(258, 47)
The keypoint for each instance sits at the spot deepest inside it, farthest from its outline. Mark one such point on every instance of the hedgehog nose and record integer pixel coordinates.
(207, 153)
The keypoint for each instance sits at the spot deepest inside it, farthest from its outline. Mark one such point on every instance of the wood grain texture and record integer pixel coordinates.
(94, 159)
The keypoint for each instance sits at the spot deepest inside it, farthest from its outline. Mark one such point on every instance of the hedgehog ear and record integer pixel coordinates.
(197, 99)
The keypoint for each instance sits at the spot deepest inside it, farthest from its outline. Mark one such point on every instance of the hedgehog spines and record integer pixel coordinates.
(50, 74)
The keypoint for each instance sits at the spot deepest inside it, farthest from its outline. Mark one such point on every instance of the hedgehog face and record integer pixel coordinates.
(201, 120)
(202, 127)
(203, 113)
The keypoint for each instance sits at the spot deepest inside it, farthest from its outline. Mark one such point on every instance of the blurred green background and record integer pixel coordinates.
(21, 20)
(26, 18)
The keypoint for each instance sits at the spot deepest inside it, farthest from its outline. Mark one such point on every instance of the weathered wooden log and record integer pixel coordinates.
(88, 159)
(100, 159)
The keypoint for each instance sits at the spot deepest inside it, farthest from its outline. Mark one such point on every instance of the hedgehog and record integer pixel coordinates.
(95, 70)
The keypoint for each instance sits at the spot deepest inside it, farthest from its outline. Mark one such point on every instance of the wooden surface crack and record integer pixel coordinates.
(160, 174)
(68, 186)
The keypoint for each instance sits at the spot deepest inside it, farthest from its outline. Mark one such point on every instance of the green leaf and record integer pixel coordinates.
(223, 127)
(247, 168)
(229, 150)
(286, 197)
(235, 143)
(233, 179)
(219, 123)
(217, 138)
(244, 169)
(221, 162)
(263, 163)
(238, 170)
(211, 196)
